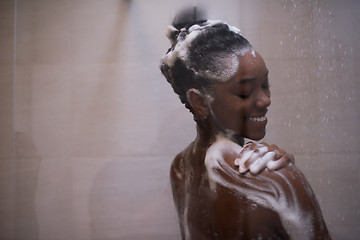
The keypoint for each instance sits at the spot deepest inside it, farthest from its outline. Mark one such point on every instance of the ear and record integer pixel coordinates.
(197, 102)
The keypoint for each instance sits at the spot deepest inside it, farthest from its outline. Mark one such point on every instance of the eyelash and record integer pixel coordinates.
(243, 96)
(266, 86)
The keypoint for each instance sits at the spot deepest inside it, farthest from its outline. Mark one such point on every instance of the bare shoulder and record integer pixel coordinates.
(286, 191)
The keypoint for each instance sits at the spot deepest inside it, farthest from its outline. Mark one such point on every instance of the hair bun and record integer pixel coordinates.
(188, 17)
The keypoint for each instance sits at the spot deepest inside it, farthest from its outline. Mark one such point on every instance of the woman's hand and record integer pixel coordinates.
(255, 157)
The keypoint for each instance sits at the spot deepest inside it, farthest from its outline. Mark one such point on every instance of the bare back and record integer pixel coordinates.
(214, 201)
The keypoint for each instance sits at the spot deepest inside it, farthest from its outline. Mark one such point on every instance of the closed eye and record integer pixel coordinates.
(244, 96)
(265, 85)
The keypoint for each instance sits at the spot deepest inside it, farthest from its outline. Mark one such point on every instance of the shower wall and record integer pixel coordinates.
(7, 158)
(89, 126)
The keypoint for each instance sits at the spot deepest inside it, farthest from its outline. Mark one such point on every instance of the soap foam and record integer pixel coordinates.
(227, 62)
(181, 48)
(260, 189)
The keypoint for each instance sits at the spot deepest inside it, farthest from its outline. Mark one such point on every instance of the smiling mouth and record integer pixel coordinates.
(257, 119)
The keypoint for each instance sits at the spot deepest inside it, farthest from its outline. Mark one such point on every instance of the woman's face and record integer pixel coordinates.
(240, 104)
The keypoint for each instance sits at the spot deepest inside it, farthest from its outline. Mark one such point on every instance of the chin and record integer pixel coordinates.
(256, 137)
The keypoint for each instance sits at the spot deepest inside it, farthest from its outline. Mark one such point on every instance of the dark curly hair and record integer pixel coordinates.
(203, 52)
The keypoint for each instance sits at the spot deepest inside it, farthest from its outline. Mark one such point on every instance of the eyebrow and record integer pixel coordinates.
(246, 80)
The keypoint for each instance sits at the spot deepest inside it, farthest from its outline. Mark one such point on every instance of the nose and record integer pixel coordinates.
(263, 100)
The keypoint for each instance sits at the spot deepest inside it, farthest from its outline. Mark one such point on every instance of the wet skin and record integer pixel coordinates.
(240, 106)
(241, 103)
(229, 214)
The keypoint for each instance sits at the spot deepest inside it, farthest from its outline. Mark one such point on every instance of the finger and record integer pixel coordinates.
(274, 147)
(243, 156)
(277, 155)
(248, 159)
(244, 150)
(277, 164)
(261, 151)
(264, 144)
(248, 146)
(279, 150)
(291, 158)
(261, 163)
(242, 162)
(258, 153)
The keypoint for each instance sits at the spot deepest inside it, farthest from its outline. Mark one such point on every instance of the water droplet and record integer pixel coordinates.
(253, 206)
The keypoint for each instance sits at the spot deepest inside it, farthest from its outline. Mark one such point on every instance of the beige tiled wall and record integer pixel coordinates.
(7, 172)
(89, 126)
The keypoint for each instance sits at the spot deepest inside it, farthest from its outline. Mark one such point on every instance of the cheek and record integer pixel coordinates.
(230, 113)
(231, 117)
(240, 118)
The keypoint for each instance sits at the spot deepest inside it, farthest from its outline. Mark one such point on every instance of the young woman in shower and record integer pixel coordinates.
(222, 188)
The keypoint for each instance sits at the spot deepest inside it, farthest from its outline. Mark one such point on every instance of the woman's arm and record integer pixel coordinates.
(284, 195)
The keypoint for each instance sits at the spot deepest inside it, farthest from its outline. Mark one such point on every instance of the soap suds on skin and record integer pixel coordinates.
(262, 162)
(253, 53)
(262, 190)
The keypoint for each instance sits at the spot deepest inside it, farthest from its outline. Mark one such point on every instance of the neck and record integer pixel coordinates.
(231, 135)
(206, 135)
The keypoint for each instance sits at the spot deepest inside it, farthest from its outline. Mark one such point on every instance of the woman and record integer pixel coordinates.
(224, 82)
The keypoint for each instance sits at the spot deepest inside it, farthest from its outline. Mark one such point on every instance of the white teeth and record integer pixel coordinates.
(257, 119)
